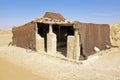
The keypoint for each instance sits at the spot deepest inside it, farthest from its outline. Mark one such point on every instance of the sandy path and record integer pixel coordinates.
(56, 69)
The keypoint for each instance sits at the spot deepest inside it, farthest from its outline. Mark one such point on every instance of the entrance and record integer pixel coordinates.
(62, 32)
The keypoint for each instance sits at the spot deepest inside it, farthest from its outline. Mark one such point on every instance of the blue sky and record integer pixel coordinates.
(19, 12)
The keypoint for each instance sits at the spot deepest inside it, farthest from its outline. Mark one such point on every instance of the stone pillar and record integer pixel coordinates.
(51, 41)
(73, 46)
(39, 43)
(70, 47)
(76, 45)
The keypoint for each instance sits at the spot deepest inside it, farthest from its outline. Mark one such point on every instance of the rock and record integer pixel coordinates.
(107, 47)
(96, 49)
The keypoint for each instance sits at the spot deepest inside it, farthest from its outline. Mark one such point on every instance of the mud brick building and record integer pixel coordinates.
(53, 33)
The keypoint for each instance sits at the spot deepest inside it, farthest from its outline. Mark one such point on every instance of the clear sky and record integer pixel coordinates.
(19, 12)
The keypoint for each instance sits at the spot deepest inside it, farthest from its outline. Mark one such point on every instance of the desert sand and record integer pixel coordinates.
(20, 64)
(10, 71)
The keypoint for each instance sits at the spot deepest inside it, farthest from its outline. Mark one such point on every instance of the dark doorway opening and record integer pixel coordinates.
(62, 32)
(43, 29)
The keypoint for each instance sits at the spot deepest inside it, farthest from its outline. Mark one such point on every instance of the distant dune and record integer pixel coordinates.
(5, 37)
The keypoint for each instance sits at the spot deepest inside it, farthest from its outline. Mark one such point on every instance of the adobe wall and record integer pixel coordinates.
(24, 36)
(94, 35)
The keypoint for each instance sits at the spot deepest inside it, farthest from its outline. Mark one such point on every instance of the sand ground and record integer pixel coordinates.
(21, 64)
(10, 71)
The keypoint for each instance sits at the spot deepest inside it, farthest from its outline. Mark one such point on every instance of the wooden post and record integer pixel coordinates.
(59, 34)
(50, 28)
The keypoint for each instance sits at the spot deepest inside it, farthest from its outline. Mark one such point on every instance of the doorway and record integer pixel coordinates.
(62, 32)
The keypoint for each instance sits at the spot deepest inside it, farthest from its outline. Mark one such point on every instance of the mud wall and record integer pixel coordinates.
(24, 36)
(94, 35)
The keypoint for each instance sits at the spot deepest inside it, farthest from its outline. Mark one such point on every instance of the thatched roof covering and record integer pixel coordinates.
(50, 21)
(54, 16)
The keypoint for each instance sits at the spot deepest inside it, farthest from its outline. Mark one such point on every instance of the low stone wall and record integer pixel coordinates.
(39, 43)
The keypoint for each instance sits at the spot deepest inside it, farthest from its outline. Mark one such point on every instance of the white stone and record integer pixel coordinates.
(96, 49)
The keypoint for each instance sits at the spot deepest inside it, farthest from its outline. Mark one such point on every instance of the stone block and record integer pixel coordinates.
(39, 43)
(51, 43)
(70, 47)
(73, 47)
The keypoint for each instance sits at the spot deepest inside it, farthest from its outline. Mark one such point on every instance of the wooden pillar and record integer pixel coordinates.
(50, 28)
(59, 34)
